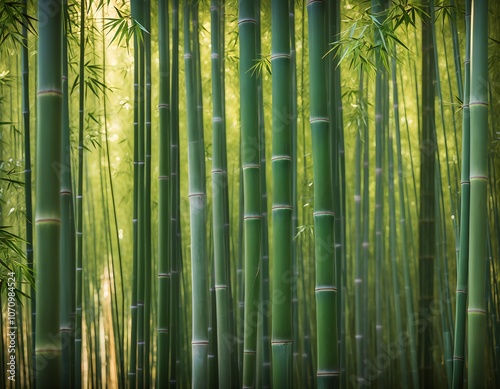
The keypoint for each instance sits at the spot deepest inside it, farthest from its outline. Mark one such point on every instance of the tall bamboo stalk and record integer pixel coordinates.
(282, 196)
(132, 373)
(250, 162)
(164, 233)
(404, 242)
(175, 227)
(463, 255)
(478, 104)
(427, 222)
(225, 335)
(324, 218)
(67, 249)
(359, 281)
(381, 91)
(296, 363)
(263, 368)
(48, 205)
(79, 205)
(139, 63)
(197, 207)
(27, 181)
(147, 192)
(393, 250)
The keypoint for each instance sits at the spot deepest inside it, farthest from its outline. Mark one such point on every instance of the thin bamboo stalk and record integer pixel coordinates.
(119, 309)
(68, 237)
(359, 281)
(250, 162)
(132, 373)
(175, 227)
(79, 205)
(28, 187)
(146, 20)
(393, 250)
(263, 368)
(225, 335)
(463, 255)
(408, 290)
(164, 210)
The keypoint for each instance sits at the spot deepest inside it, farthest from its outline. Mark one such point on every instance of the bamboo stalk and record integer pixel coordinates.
(282, 197)
(427, 214)
(250, 162)
(67, 250)
(48, 207)
(197, 207)
(164, 211)
(478, 103)
(225, 335)
(28, 188)
(146, 20)
(326, 280)
(175, 226)
(463, 255)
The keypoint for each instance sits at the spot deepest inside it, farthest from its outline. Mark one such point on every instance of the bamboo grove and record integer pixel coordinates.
(256, 194)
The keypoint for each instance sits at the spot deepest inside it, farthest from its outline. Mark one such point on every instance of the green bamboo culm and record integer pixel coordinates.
(281, 337)
(27, 180)
(175, 235)
(250, 162)
(48, 203)
(427, 215)
(163, 200)
(225, 336)
(137, 9)
(478, 103)
(463, 255)
(68, 241)
(146, 20)
(263, 367)
(408, 291)
(132, 373)
(79, 207)
(324, 218)
(197, 207)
